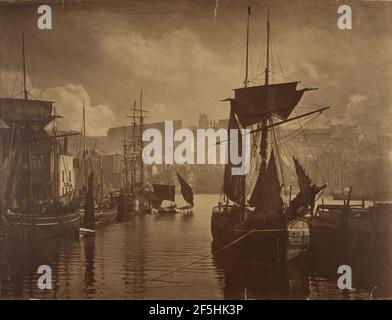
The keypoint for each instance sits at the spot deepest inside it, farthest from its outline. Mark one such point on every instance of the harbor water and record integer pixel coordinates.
(123, 261)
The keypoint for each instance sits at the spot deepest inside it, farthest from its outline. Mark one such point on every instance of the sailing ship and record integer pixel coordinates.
(95, 212)
(136, 195)
(168, 192)
(256, 216)
(106, 209)
(31, 204)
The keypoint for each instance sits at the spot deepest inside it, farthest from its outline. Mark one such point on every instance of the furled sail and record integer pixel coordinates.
(186, 190)
(266, 196)
(251, 106)
(164, 191)
(36, 112)
(233, 185)
(9, 177)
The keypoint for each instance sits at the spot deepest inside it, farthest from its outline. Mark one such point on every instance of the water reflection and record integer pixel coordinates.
(120, 261)
(88, 249)
(252, 278)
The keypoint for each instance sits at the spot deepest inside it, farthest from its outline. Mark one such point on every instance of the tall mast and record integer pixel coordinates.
(268, 42)
(264, 123)
(246, 82)
(101, 178)
(125, 163)
(55, 160)
(28, 132)
(134, 145)
(247, 51)
(141, 138)
(85, 151)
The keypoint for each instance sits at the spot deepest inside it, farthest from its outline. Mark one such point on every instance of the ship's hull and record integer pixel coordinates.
(35, 227)
(353, 234)
(105, 216)
(134, 205)
(166, 210)
(273, 244)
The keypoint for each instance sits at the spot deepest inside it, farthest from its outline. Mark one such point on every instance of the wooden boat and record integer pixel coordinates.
(106, 211)
(96, 216)
(26, 227)
(372, 196)
(85, 232)
(133, 204)
(168, 192)
(97, 210)
(257, 216)
(172, 209)
(136, 195)
(352, 233)
(269, 241)
(32, 206)
(105, 216)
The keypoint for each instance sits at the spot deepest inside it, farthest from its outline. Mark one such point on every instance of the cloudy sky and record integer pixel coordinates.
(188, 55)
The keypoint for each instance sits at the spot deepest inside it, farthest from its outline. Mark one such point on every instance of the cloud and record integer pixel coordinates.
(186, 61)
(174, 58)
(162, 112)
(69, 102)
(178, 73)
(372, 110)
(11, 84)
(324, 122)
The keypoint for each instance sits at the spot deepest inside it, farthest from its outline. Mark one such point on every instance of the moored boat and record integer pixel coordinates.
(20, 226)
(168, 192)
(352, 233)
(257, 214)
(35, 202)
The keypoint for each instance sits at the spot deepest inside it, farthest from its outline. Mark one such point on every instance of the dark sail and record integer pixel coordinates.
(304, 181)
(233, 185)
(164, 191)
(186, 190)
(307, 194)
(251, 106)
(89, 216)
(266, 196)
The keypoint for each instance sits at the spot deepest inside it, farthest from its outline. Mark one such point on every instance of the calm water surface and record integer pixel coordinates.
(122, 259)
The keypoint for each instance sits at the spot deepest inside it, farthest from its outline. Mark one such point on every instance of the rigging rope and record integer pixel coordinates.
(311, 152)
(202, 258)
(279, 162)
(216, 251)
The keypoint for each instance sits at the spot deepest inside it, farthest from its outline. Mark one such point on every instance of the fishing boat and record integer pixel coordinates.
(32, 204)
(187, 194)
(168, 192)
(362, 196)
(352, 232)
(95, 211)
(257, 215)
(136, 195)
(106, 210)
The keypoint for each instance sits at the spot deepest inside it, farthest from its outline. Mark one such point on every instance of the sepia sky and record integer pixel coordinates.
(188, 55)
